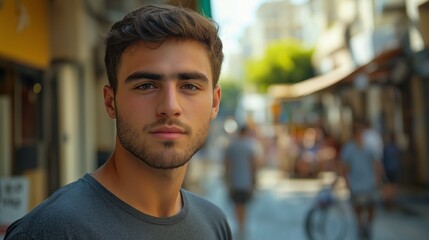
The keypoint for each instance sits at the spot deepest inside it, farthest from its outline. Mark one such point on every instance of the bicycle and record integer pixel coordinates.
(327, 218)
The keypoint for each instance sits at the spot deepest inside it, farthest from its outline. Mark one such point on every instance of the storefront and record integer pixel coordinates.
(387, 88)
(24, 97)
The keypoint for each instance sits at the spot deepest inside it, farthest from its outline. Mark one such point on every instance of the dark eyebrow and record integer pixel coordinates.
(192, 75)
(156, 76)
(144, 75)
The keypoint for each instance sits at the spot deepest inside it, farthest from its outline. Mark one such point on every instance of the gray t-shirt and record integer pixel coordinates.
(86, 210)
(241, 154)
(361, 160)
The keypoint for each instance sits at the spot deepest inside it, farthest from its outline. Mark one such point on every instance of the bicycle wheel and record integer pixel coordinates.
(327, 222)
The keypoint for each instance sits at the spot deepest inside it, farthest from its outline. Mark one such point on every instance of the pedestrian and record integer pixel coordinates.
(373, 140)
(361, 169)
(307, 164)
(163, 65)
(240, 161)
(391, 165)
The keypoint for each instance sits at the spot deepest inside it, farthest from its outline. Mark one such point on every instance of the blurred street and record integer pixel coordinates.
(280, 204)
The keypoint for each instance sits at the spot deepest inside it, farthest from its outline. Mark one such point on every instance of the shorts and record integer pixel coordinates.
(363, 199)
(240, 196)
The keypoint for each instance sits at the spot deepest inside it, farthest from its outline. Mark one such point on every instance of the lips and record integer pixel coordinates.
(168, 132)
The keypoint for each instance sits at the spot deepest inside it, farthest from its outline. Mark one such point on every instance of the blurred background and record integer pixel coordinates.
(298, 72)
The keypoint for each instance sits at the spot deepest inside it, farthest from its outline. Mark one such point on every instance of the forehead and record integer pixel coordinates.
(165, 57)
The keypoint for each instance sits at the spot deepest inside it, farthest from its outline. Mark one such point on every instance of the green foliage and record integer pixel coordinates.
(285, 61)
(231, 91)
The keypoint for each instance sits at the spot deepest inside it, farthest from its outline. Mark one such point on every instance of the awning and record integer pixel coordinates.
(201, 6)
(204, 7)
(22, 22)
(378, 67)
(311, 85)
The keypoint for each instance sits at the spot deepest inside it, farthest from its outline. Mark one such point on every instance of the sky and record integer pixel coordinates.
(233, 17)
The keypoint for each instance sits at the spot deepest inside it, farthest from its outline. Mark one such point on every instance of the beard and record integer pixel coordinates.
(154, 154)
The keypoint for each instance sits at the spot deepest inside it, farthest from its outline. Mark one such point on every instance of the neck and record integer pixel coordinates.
(155, 192)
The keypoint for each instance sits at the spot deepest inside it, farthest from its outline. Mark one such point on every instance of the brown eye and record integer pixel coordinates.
(190, 87)
(145, 86)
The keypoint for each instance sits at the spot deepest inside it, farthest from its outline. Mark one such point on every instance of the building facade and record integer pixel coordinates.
(370, 65)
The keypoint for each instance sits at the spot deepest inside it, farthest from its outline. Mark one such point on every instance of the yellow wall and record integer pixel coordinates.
(24, 32)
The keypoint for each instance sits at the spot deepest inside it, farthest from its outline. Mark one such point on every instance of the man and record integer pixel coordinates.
(391, 168)
(240, 160)
(361, 169)
(372, 140)
(163, 65)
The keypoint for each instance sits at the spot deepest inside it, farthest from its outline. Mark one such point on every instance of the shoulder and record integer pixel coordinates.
(52, 216)
(205, 210)
(199, 203)
(206, 214)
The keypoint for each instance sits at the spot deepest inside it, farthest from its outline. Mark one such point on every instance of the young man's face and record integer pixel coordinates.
(164, 101)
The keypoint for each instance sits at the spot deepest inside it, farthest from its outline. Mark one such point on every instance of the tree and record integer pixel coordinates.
(231, 92)
(284, 61)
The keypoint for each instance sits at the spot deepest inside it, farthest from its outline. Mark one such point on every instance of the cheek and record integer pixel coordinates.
(198, 107)
(133, 109)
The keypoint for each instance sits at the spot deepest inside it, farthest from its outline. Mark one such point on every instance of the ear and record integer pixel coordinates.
(109, 101)
(217, 94)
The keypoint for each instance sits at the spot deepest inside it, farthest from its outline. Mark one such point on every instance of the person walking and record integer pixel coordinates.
(391, 164)
(240, 161)
(373, 140)
(361, 169)
(163, 65)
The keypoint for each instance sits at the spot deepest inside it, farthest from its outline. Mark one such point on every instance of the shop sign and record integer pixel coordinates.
(13, 201)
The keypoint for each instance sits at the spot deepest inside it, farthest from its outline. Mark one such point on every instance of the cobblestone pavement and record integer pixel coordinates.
(280, 205)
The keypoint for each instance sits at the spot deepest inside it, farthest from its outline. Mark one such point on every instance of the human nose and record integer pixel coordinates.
(168, 105)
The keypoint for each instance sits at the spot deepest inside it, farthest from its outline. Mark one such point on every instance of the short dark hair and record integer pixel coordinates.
(155, 24)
